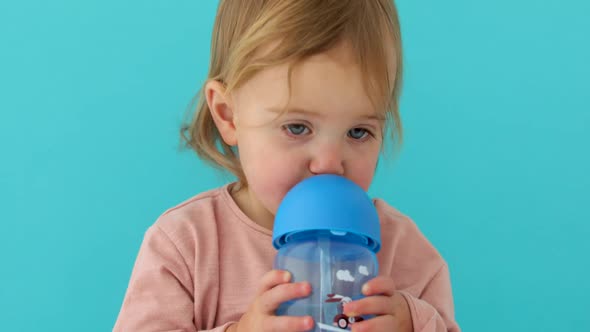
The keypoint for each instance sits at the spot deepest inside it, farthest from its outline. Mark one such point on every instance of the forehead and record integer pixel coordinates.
(328, 82)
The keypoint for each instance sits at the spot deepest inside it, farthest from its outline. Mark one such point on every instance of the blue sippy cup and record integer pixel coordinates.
(327, 233)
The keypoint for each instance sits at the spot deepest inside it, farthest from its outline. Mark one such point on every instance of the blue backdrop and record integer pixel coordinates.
(494, 169)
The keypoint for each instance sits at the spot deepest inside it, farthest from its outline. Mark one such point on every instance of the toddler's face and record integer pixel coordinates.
(331, 127)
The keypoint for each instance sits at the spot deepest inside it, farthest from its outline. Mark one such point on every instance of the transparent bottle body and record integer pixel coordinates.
(336, 265)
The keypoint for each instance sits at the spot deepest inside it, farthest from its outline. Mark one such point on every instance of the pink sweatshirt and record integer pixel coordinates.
(200, 264)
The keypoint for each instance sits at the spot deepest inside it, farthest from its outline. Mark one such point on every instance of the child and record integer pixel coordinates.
(296, 88)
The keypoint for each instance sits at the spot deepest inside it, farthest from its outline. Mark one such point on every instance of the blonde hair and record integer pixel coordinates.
(300, 28)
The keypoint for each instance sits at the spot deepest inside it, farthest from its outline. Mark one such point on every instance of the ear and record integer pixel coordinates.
(222, 111)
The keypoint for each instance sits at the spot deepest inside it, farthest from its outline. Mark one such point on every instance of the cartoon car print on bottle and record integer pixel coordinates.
(341, 320)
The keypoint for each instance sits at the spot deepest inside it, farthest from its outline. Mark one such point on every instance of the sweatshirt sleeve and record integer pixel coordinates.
(160, 292)
(434, 310)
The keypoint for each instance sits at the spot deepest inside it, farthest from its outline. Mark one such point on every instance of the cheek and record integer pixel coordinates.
(361, 170)
(364, 177)
(268, 161)
(281, 175)
(271, 171)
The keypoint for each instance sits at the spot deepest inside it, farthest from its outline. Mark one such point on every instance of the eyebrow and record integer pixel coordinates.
(316, 114)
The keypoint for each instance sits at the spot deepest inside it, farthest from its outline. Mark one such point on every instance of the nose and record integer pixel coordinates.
(327, 159)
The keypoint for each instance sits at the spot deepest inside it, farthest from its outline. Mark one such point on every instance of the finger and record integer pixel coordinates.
(380, 285)
(385, 323)
(288, 323)
(372, 305)
(272, 279)
(270, 300)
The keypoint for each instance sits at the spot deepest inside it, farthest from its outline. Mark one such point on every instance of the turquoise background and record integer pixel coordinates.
(494, 169)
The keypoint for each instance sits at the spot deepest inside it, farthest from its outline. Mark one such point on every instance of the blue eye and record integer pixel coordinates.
(358, 133)
(296, 129)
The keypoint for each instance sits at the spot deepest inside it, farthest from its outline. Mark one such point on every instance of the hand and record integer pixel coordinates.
(390, 307)
(275, 289)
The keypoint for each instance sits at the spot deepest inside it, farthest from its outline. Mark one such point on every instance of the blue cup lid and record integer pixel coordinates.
(327, 203)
